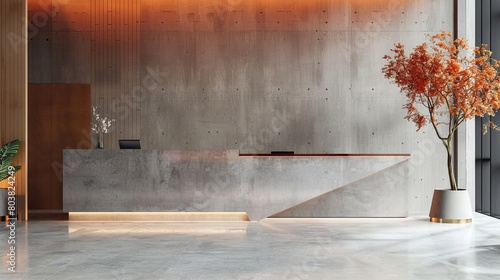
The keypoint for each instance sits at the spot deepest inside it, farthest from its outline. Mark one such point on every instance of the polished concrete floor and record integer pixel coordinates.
(410, 248)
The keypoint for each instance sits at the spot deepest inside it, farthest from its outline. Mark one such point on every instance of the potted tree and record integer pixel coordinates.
(446, 82)
(7, 153)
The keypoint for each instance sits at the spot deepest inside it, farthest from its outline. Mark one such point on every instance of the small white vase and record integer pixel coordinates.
(450, 206)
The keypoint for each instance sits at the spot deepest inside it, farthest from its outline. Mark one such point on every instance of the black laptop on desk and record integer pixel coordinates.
(129, 144)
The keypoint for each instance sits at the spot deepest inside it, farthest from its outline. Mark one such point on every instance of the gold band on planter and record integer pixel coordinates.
(451, 221)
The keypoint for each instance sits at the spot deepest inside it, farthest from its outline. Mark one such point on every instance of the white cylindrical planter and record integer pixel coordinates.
(450, 206)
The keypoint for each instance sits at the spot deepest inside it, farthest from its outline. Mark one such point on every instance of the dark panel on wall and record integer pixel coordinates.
(487, 148)
(486, 139)
(495, 136)
(485, 22)
(59, 119)
(478, 165)
(483, 163)
(479, 168)
(494, 190)
(486, 185)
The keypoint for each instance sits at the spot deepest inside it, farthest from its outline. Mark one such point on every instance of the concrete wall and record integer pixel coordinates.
(250, 75)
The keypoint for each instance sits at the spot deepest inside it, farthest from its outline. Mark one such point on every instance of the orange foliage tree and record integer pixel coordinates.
(446, 82)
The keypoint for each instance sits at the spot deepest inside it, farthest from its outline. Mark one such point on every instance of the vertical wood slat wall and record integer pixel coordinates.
(115, 54)
(13, 81)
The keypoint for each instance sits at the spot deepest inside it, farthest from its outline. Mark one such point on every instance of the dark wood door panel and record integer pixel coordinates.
(39, 146)
(70, 121)
(59, 118)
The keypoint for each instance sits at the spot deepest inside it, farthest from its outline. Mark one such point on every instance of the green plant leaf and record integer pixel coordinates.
(7, 153)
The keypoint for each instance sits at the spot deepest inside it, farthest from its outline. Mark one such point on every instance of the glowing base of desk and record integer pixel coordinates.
(158, 216)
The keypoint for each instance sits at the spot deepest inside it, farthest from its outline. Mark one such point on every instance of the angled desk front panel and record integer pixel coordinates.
(363, 185)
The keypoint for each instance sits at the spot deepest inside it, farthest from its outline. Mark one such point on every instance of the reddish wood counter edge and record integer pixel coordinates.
(324, 155)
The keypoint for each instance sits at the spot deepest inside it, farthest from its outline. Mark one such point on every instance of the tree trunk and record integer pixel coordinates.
(451, 173)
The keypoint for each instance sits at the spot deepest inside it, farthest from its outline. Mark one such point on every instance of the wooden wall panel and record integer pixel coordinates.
(40, 142)
(13, 79)
(70, 128)
(59, 118)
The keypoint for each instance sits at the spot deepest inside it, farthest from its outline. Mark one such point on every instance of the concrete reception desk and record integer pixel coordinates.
(322, 185)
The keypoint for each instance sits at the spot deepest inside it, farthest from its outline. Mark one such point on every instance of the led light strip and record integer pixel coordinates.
(158, 216)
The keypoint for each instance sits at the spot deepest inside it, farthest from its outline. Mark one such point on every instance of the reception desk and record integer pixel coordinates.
(277, 185)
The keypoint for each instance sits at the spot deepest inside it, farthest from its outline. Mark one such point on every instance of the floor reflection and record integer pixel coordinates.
(410, 248)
